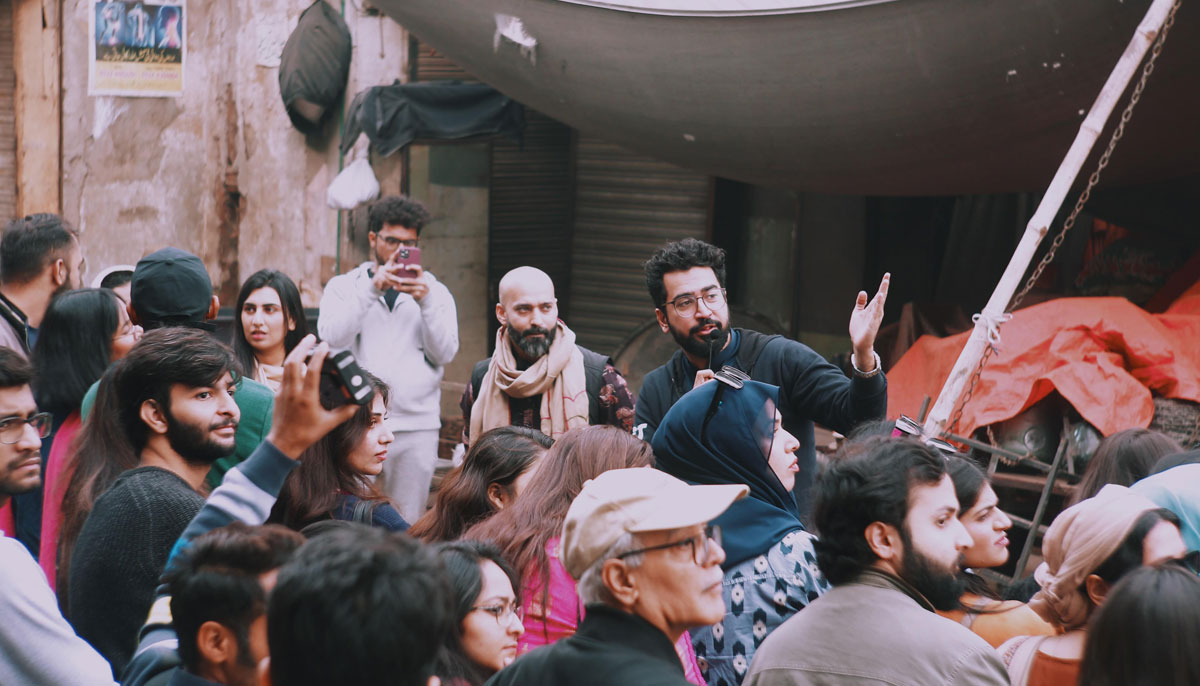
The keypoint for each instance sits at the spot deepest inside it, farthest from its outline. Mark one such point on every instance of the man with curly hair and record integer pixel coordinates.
(686, 280)
(402, 325)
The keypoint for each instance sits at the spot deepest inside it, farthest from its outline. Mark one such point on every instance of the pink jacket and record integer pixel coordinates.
(54, 486)
(544, 626)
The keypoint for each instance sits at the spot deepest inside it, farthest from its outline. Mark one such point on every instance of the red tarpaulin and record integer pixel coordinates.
(1104, 355)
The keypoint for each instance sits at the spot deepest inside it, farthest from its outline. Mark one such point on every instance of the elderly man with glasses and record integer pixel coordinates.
(648, 569)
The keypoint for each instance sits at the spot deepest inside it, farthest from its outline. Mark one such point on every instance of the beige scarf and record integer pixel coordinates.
(558, 376)
(1078, 541)
(269, 375)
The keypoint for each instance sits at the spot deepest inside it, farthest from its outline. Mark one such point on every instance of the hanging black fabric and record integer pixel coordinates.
(314, 66)
(396, 115)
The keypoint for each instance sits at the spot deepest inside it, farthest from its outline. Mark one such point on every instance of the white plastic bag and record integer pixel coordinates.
(355, 185)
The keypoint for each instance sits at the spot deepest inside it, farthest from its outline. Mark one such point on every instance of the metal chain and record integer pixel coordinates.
(1117, 133)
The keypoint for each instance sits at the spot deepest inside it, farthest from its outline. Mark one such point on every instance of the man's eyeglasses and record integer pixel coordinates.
(12, 428)
(701, 554)
(503, 612)
(393, 242)
(685, 305)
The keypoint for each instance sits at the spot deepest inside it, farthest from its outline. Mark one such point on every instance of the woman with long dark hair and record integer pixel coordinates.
(1123, 458)
(730, 431)
(83, 332)
(333, 480)
(494, 473)
(270, 322)
(981, 609)
(527, 533)
(487, 613)
(1147, 631)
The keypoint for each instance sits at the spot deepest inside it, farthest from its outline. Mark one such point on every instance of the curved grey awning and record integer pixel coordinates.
(723, 8)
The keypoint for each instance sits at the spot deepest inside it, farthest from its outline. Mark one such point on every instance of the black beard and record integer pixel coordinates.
(705, 347)
(7, 489)
(533, 348)
(943, 588)
(193, 443)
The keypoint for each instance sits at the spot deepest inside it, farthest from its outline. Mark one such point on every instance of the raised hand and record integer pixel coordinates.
(864, 324)
(300, 420)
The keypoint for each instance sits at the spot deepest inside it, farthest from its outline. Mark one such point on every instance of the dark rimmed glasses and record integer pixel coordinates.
(701, 554)
(503, 612)
(685, 305)
(12, 428)
(393, 242)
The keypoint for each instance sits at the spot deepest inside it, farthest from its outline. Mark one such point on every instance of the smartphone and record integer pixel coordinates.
(406, 256)
(343, 381)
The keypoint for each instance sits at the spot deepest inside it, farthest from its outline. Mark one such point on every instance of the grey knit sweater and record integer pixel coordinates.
(120, 554)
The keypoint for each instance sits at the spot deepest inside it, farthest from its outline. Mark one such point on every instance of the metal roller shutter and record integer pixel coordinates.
(529, 207)
(626, 207)
(8, 132)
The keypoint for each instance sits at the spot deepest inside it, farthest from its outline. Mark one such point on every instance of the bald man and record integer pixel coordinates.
(538, 377)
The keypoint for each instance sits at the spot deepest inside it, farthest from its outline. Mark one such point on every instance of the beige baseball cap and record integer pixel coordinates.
(623, 501)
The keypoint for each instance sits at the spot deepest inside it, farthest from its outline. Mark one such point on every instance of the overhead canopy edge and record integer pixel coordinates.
(724, 8)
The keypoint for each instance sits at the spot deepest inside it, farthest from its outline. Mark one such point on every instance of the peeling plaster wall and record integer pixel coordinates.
(143, 173)
(452, 181)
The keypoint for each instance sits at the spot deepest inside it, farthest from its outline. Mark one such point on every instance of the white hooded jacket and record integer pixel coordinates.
(407, 346)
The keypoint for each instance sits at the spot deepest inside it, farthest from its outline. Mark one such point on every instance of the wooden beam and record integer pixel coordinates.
(37, 60)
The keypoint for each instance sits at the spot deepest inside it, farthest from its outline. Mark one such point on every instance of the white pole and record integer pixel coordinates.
(1039, 224)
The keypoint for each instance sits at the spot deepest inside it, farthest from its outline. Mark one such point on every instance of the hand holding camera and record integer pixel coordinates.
(301, 417)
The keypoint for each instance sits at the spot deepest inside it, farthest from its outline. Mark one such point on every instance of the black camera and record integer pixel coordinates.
(343, 381)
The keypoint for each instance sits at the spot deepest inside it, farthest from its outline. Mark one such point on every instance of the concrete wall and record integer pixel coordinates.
(452, 181)
(220, 171)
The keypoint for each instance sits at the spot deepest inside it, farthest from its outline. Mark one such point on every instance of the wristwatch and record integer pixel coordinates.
(866, 375)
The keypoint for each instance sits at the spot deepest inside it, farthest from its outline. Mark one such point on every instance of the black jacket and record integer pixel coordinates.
(611, 648)
(810, 388)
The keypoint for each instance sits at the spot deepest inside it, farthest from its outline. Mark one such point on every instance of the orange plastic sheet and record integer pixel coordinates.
(1104, 355)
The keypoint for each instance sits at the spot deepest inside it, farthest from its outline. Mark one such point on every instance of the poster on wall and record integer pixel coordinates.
(136, 48)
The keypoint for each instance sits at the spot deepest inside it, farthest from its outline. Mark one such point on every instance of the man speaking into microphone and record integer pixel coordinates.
(686, 280)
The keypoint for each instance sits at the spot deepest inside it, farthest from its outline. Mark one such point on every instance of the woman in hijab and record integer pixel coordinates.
(728, 431)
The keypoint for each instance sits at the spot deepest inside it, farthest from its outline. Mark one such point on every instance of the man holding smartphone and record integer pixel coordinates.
(402, 325)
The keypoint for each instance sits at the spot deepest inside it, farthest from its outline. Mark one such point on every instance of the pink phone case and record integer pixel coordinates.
(407, 256)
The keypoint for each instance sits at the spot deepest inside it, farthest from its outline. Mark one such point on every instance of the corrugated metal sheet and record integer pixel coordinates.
(626, 207)
(8, 132)
(425, 63)
(529, 207)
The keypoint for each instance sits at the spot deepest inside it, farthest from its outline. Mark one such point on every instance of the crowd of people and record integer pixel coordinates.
(182, 510)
